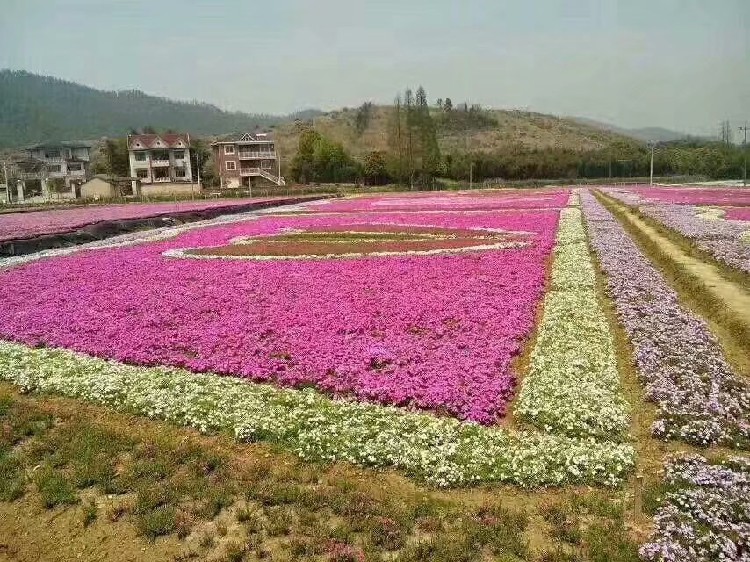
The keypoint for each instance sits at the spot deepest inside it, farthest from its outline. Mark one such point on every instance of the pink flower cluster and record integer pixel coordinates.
(15, 226)
(458, 201)
(437, 332)
(737, 213)
(695, 195)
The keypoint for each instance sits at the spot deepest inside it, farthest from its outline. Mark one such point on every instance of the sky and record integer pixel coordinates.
(678, 64)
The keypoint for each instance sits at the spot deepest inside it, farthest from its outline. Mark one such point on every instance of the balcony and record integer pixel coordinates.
(140, 163)
(159, 163)
(164, 179)
(247, 154)
(249, 171)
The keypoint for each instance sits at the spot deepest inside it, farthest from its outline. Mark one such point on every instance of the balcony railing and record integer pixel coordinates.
(249, 171)
(140, 163)
(162, 180)
(155, 163)
(257, 154)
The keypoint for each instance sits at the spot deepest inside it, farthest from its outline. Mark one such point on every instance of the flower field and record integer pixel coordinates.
(462, 339)
(14, 226)
(725, 237)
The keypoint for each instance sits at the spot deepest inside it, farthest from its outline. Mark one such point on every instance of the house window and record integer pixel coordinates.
(179, 172)
(231, 165)
(229, 149)
(55, 168)
(141, 174)
(140, 156)
(179, 154)
(52, 154)
(75, 167)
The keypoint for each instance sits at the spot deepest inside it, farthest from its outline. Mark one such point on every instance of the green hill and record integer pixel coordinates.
(39, 108)
(501, 131)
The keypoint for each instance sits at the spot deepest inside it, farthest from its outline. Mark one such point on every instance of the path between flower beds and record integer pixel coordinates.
(733, 295)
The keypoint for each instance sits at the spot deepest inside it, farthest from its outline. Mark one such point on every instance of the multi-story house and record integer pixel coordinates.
(161, 162)
(244, 159)
(53, 170)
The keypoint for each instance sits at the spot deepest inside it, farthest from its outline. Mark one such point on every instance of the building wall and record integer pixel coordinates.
(161, 189)
(173, 164)
(230, 178)
(97, 188)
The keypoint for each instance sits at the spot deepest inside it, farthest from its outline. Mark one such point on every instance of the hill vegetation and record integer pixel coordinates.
(412, 142)
(42, 108)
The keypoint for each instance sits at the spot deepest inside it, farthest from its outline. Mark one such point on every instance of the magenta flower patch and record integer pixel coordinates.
(435, 332)
(15, 226)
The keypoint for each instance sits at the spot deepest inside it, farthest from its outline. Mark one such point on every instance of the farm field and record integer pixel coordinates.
(21, 225)
(534, 375)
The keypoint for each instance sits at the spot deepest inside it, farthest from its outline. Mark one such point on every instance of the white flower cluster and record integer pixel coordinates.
(573, 386)
(441, 451)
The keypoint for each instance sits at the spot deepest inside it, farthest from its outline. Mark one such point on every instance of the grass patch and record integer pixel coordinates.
(178, 484)
(55, 488)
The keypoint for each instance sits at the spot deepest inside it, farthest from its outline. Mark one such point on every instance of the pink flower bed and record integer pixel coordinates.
(737, 213)
(437, 332)
(14, 226)
(695, 195)
(452, 202)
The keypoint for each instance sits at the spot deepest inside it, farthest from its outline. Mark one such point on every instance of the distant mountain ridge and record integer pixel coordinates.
(37, 108)
(644, 134)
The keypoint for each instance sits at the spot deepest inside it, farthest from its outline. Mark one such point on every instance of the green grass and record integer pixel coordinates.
(255, 502)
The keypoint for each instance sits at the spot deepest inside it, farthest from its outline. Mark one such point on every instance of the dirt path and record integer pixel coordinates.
(735, 296)
(723, 302)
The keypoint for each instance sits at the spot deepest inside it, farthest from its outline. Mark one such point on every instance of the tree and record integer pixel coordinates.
(149, 130)
(448, 106)
(726, 136)
(320, 160)
(113, 159)
(363, 117)
(374, 168)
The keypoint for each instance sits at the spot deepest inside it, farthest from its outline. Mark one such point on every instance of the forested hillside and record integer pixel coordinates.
(39, 108)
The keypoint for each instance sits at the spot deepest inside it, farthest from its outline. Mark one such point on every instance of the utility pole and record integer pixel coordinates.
(744, 150)
(653, 145)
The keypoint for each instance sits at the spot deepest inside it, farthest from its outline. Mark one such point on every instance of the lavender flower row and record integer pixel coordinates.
(705, 515)
(700, 399)
(725, 240)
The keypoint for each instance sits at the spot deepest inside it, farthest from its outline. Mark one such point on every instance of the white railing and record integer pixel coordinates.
(271, 155)
(159, 162)
(249, 171)
(162, 180)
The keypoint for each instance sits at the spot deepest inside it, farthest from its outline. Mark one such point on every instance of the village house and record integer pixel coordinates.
(162, 163)
(245, 159)
(53, 170)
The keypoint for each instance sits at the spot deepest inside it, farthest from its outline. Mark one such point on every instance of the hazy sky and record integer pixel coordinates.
(681, 64)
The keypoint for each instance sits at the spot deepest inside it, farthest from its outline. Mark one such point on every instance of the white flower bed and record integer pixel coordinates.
(573, 387)
(441, 451)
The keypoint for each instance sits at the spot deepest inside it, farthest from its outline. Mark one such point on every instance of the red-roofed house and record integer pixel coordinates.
(161, 163)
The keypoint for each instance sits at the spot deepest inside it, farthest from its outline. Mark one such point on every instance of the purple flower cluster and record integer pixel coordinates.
(725, 240)
(700, 399)
(14, 226)
(434, 332)
(705, 514)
